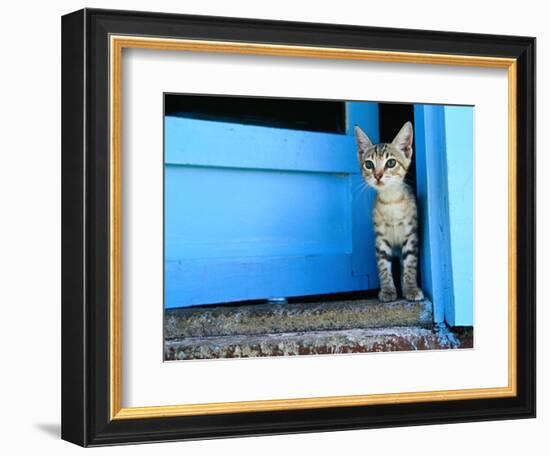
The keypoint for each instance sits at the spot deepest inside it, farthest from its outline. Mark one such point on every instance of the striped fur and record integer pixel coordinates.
(395, 215)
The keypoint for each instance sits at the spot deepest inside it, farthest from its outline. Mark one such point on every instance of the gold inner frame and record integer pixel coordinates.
(117, 44)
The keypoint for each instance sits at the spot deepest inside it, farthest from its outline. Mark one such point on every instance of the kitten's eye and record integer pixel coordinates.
(391, 163)
(369, 164)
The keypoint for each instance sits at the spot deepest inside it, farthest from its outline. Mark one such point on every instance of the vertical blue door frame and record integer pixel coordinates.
(432, 195)
(444, 142)
(364, 115)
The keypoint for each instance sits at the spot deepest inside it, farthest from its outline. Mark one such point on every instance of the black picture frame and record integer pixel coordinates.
(86, 417)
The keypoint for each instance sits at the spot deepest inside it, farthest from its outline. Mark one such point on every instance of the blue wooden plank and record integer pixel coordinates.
(432, 195)
(459, 144)
(207, 143)
(222, 212)
(198, 282)
(365, 115)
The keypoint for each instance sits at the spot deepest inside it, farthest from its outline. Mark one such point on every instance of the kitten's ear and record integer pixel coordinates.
(362, 139)
(404, 140)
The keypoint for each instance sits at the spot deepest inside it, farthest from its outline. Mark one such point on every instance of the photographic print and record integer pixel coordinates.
(315, 227)
(241, 253)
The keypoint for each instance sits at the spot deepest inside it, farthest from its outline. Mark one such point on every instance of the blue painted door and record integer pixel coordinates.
(256, 212)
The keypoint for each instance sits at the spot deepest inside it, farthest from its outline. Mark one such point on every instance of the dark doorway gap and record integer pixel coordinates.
(295, 114)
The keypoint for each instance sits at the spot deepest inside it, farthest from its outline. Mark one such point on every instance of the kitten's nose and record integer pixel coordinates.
(378, 175)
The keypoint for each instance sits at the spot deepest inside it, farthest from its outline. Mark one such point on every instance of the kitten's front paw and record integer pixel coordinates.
(387, 294)
(414, 294)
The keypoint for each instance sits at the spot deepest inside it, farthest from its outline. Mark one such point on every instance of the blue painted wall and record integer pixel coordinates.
(459, 143)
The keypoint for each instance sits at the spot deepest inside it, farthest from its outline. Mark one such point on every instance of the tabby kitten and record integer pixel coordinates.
(395, 218)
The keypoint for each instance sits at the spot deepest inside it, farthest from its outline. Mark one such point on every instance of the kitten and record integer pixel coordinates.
(395, 218)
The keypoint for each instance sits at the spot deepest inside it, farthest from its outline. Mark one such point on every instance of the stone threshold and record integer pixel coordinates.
(358, 340)
(261, 319)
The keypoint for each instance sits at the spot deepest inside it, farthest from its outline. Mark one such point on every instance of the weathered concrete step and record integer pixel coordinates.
(294, 317)
(316, 342)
